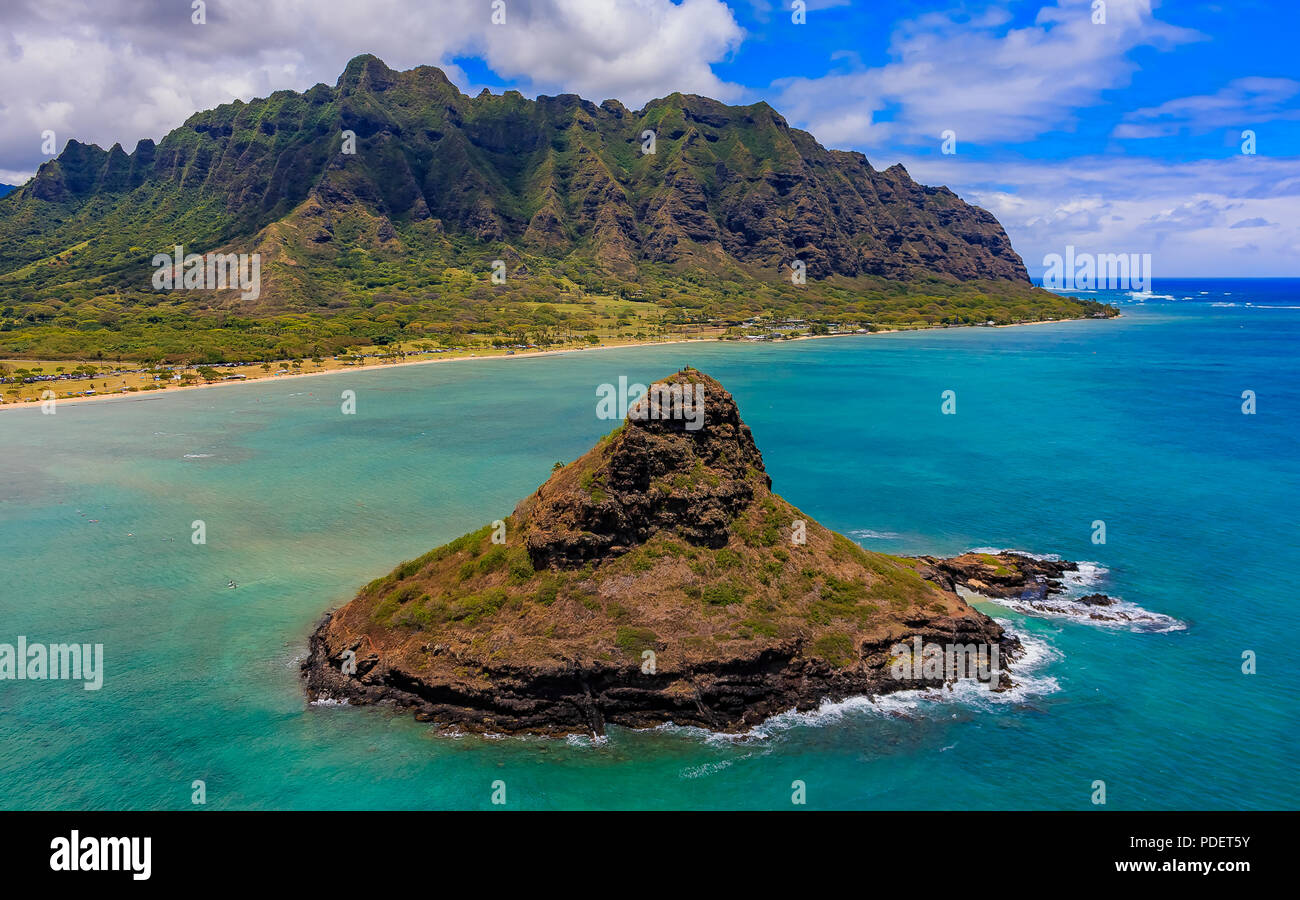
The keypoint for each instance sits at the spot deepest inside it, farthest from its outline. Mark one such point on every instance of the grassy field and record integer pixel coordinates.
(85, 378)
(162, 341)
(83, 321)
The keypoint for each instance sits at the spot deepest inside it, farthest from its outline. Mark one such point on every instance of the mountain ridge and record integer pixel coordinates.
(556, 195)
(517, 201)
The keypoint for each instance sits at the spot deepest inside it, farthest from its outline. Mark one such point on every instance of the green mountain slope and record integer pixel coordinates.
(398, 239)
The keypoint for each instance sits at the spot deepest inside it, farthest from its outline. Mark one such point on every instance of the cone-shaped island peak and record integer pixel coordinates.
(656, 578)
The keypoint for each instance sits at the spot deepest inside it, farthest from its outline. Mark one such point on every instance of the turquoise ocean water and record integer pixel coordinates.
(1136, 422)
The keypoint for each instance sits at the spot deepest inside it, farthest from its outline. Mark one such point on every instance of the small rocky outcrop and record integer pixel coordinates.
(1000, 576)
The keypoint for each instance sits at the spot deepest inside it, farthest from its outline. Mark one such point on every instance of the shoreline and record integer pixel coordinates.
(140, 396)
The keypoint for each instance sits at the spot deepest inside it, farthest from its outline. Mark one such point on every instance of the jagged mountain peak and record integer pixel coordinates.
(722, 188)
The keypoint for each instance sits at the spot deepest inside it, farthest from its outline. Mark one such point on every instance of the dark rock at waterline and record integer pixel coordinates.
(1097, 600)
(1004, 575)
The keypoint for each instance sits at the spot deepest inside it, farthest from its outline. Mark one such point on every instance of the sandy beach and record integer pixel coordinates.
(139, 396)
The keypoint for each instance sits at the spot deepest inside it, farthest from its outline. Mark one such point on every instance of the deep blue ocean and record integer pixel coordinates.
(1136, 422)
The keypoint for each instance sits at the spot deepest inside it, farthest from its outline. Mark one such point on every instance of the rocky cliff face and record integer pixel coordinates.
(726, 187)
(654, 579)
(696, 432)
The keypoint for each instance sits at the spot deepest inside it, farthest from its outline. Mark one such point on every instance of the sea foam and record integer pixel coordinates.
(1029, 681)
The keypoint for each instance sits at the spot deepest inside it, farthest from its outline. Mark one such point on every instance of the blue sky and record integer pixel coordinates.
(1177, 51)
(1122, 136)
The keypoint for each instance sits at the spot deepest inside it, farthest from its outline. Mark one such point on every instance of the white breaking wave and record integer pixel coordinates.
(327, 700)
(869, 535)
(994, 551)
(1120, 614)
(1067, 604)
(1028, 681)
(705, 769)
(1088, 573)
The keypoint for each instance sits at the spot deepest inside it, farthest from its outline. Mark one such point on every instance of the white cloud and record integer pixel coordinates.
(1241, 103)
(1191, 216)
(765, 10)
(130, 69)
(995, 83)
(634, 50)
(980, 77)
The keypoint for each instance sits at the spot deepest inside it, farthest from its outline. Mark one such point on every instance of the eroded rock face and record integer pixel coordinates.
(657, 578)
(730, 694)
(571, 525)
(507, 169)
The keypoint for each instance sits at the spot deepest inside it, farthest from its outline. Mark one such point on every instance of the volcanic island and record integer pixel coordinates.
(656, 579)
